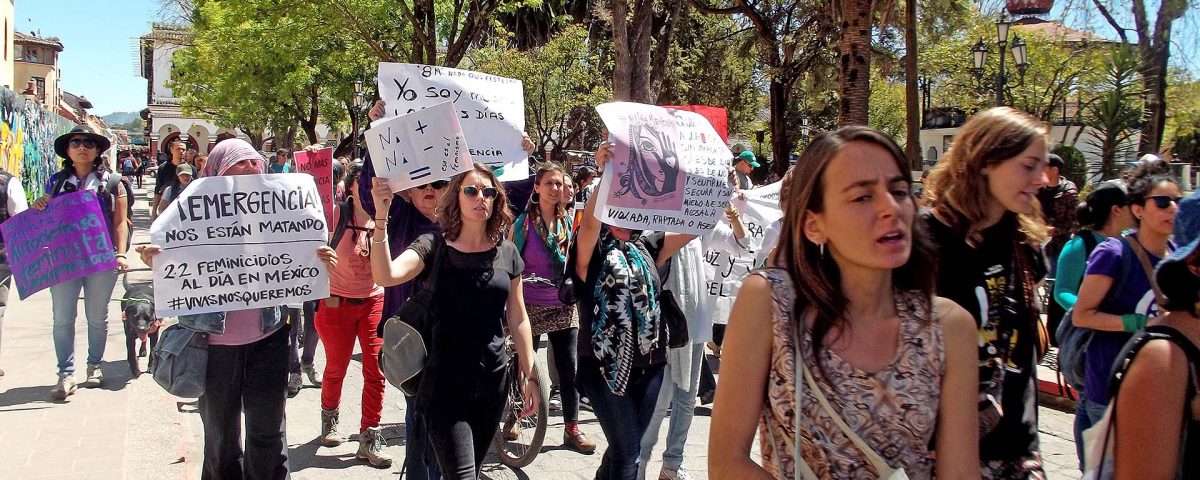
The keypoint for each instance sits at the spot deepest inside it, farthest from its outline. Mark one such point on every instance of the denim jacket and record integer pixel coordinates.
(214, 322)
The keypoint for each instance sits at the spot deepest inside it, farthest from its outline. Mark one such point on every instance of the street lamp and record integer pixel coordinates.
(980, 52)
(359, 100)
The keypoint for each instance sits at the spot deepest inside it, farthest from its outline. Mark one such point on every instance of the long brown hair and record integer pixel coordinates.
(958, 190)
(449, 213)
(532, 211)
(816, 277)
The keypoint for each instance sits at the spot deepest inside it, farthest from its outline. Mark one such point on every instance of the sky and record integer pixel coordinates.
(98, 59)
(99, 62)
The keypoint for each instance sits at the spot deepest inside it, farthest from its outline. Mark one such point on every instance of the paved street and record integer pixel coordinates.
(132, 429)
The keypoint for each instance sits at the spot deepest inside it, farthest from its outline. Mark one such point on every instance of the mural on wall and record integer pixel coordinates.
(27, 133)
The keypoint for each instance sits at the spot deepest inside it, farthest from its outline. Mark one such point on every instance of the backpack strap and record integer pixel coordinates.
(520, 232)
(1089, 243)
(60, 179)
(343, 220)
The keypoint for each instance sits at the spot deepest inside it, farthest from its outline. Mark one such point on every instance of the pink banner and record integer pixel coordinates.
(319, 164)
(67, 240)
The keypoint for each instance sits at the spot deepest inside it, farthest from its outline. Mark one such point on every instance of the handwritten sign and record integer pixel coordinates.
(669, 170)
(67, 240)
(240, 242)
(319, 164)
(491, 109)
(728, 263)
(419, 147)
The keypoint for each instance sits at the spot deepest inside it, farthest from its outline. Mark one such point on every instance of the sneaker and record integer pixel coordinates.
(370, 448)
(579, 443)
(679, 474)
(95, 378)
(314, 377)
(294, 385)
(555, 404)
(329, 429)
(64, 388)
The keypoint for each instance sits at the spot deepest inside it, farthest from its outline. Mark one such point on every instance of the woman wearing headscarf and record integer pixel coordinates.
(83, 169)
(247, 369)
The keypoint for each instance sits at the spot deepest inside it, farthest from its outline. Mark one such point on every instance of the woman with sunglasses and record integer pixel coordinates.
(83, 169)
(247, 373)
(988, 233)
(1116, 297)
(479, 293)
(352, 311)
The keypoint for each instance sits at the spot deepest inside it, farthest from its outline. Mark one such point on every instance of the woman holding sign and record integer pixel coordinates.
(848, 313)
(82, 169)
(247, 370)
(461, 397)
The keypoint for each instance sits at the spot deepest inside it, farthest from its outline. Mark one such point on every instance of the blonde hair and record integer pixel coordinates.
(957, 188)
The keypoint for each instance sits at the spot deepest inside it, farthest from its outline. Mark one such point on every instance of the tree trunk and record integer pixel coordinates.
(854, 52)
(779, 94)
(912, 110)
(1154, 80)
(622, 61)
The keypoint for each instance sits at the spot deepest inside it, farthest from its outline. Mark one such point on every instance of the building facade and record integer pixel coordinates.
(35, 68)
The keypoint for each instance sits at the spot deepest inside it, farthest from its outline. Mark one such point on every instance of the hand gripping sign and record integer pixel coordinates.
(240, 242)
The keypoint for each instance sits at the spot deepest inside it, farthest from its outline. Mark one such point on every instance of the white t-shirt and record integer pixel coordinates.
(17, 202)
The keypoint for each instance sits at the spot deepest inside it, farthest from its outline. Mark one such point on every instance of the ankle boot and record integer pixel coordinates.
(370, 448)
(329, 429)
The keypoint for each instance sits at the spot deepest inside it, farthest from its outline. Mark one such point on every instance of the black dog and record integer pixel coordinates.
(137, 313)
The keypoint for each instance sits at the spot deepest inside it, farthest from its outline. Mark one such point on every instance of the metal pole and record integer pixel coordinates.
(354, 139)
(1001, 77)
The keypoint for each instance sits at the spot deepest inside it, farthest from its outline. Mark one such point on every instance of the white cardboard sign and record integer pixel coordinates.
(728, 265)
(419, 147)
(240, 242)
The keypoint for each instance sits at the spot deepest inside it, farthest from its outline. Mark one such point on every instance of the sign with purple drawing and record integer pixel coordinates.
(418, 148)
(67, 240)
(669, 170)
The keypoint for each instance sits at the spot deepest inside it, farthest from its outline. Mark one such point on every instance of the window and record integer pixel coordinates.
(19, 52)
(41, 87)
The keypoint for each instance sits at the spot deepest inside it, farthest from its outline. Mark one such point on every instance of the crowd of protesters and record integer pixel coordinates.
(890, 333)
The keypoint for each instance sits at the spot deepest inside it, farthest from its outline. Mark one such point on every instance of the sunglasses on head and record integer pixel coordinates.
(84, 142)
(1164, 201)
(473, 191)
(438, 185)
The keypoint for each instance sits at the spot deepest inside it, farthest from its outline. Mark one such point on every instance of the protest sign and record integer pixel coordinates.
(669, 170)
(728, 263)
(419, 147)
(491, 108)
(319, 164)
(240, 242)
(67, 240)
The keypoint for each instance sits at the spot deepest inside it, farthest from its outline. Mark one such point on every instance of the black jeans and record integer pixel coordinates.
(461, 428)
(309, 337)
(252, 379)
(566, 362)
(624, 419)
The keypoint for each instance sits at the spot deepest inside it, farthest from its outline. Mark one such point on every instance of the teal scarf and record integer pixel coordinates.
(627, 312)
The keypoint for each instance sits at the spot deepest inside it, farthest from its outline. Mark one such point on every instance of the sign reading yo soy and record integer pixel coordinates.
(240, 242)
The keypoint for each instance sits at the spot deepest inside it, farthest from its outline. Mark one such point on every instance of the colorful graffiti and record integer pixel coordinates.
(27, 133)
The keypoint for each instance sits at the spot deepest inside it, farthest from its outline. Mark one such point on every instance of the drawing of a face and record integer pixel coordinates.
(654, 166)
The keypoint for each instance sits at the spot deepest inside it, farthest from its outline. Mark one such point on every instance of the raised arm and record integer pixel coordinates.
(387, 271)
(589, 225)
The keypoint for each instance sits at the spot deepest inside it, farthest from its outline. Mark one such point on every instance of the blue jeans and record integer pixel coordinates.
(683, 405)
(419, 463)
(1086, 414)
(624, 419)
(97, 291)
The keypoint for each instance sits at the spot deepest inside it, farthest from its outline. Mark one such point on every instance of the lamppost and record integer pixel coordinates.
(359, 100)
(980, 51)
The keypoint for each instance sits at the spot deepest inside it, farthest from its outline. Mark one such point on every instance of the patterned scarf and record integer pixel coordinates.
(556, 242)
(627, 311)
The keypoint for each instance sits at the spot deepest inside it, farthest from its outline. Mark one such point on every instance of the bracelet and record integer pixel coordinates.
(120, 255)
(384, 219)
(379, 242)
(1133, 322)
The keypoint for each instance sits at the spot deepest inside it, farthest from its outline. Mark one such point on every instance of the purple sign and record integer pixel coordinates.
(67, 240)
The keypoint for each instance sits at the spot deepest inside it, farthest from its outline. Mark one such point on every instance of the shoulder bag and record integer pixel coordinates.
(408, 333)
(181, 361)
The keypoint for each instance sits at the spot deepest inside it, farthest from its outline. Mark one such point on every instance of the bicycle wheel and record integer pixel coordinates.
(520, 450)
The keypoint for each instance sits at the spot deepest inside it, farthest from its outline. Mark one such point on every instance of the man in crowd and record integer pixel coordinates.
(742, 166)
(280, 165)
(166, 175)
(1058, 198)
(12, 202)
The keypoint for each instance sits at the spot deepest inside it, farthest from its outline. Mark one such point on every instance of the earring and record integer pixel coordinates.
(534, 198)
(822, 247)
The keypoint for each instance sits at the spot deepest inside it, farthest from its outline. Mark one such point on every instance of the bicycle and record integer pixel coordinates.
(520, 450)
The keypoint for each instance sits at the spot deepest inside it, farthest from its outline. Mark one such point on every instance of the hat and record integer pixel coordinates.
(185, 169)
(748, 157)
(1187, 237)
(60, 143)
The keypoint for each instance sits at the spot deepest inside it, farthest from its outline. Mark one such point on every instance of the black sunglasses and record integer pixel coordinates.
(473, 191)
(1164, 201)
(85, 142)
(438, 185)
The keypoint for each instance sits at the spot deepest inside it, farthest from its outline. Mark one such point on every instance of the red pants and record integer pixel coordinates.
(338, 328)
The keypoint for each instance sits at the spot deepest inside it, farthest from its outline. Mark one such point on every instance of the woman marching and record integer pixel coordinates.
(479, 292)
(543, 236)
(352, 311)
(840, 355)
(247, 370)
(988, 232)
(83, 169)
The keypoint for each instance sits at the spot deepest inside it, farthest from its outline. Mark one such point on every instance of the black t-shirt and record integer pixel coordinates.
(981, 280)
(651, 244)
(468, 336)
(165, 177)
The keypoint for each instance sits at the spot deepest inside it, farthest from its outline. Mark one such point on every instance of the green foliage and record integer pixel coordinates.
(1183, 104)
(1076, 169)
(886, 108)
(1116, 112)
